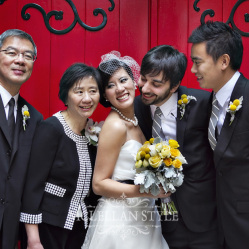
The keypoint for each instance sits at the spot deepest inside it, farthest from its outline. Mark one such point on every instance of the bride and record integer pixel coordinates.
(124, 217)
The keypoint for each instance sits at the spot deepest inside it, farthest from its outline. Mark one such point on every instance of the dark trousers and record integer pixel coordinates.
(183, 238)
(53, 237)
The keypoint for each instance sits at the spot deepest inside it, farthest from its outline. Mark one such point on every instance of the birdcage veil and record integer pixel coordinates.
(112, 61)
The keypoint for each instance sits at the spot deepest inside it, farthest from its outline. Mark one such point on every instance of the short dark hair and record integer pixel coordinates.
(73, 74)
(220, 39)
(111, 66)
(166, 59)
(17, 33)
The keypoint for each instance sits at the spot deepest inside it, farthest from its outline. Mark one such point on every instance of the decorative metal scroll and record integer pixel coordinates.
(58, 15)
(230, 20)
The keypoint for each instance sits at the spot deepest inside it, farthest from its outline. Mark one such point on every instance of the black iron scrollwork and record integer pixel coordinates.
(230, 19)
(58, 15)
(2, 1)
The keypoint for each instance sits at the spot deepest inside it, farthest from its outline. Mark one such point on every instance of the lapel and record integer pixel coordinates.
(227, 131)
(181, 123)
(3, 122)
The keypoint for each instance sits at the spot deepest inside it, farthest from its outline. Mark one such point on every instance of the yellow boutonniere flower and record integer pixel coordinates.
(183, 101)
(234, 107)
(25, 116)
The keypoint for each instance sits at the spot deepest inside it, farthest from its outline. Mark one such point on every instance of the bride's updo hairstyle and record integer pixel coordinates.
(111, 63)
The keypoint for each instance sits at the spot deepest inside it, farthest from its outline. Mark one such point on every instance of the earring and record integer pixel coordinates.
(106, 100)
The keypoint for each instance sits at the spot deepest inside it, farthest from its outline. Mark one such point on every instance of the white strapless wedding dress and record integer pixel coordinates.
(126, 222)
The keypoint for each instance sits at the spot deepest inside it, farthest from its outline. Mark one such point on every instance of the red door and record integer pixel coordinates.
(132, 27)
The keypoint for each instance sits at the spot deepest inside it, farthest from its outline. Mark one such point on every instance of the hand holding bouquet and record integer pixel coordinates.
(159, 163)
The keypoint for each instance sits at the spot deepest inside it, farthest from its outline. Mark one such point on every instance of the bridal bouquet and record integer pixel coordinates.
(159, 163)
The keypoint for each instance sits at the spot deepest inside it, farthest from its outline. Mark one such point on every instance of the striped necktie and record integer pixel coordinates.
(156, 127)
(213, 122)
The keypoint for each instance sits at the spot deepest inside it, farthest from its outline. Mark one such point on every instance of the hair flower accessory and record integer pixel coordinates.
(183, 101)
(25, 116)
(234, 107)
(92, 130)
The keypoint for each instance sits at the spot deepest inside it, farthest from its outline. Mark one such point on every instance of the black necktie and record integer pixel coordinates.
(11, 119)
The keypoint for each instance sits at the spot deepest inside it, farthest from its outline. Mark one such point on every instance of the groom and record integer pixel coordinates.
(216, 53)
(162, 70)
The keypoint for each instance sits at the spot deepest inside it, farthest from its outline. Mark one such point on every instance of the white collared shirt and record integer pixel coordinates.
(168, 119)
(6, 96)
(223, 96)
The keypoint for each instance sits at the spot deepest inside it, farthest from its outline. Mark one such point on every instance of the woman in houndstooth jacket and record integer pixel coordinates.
(56, 196)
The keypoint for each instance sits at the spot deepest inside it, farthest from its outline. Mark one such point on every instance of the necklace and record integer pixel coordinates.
(135, 123)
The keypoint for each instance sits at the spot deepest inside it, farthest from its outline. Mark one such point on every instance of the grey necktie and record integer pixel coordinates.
(156, 127)
(213, 122)
(11, 119)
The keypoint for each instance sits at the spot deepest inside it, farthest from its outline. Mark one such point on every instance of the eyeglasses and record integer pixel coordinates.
(14, 54)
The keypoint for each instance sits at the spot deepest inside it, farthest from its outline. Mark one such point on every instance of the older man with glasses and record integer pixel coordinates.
(18, 120)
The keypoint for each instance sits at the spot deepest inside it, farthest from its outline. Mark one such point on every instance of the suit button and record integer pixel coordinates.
(2, 201)
(8, 177)
(220, 173)
(9, 152)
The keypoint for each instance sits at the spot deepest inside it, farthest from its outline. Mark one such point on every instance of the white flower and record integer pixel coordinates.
(234, 107)
(25, 116)
(92, 131)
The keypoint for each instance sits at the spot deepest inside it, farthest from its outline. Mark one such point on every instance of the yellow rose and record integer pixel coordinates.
(173, 143)
(26, 113)
(236, 102)
(174, 152)
(159, 147)
(138, 164)
(155, 161)
(180, 102)
(177, 163)
(184, 96)
(151, 140)
(233, 107)
(168, 161)
(165, 152)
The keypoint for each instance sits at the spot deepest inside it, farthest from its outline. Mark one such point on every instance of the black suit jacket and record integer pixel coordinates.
(195, 199)
(231, 158)
(13, 168)
(54, 159)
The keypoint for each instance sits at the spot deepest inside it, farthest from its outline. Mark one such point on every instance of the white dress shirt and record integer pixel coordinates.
(223, 97)
(6, 96)
(168, 119)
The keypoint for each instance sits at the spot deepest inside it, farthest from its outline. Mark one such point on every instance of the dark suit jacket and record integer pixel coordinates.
(13, 168)
(195, 199)
(54, 159)
(231, 158)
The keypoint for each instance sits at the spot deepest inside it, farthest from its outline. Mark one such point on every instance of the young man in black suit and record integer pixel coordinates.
(17, 55)
(162, 70)
(216, 53)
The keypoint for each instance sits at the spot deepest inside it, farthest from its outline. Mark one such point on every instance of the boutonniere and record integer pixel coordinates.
(183, 101)
(234, 107)
(91, 132)
(25, 116)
